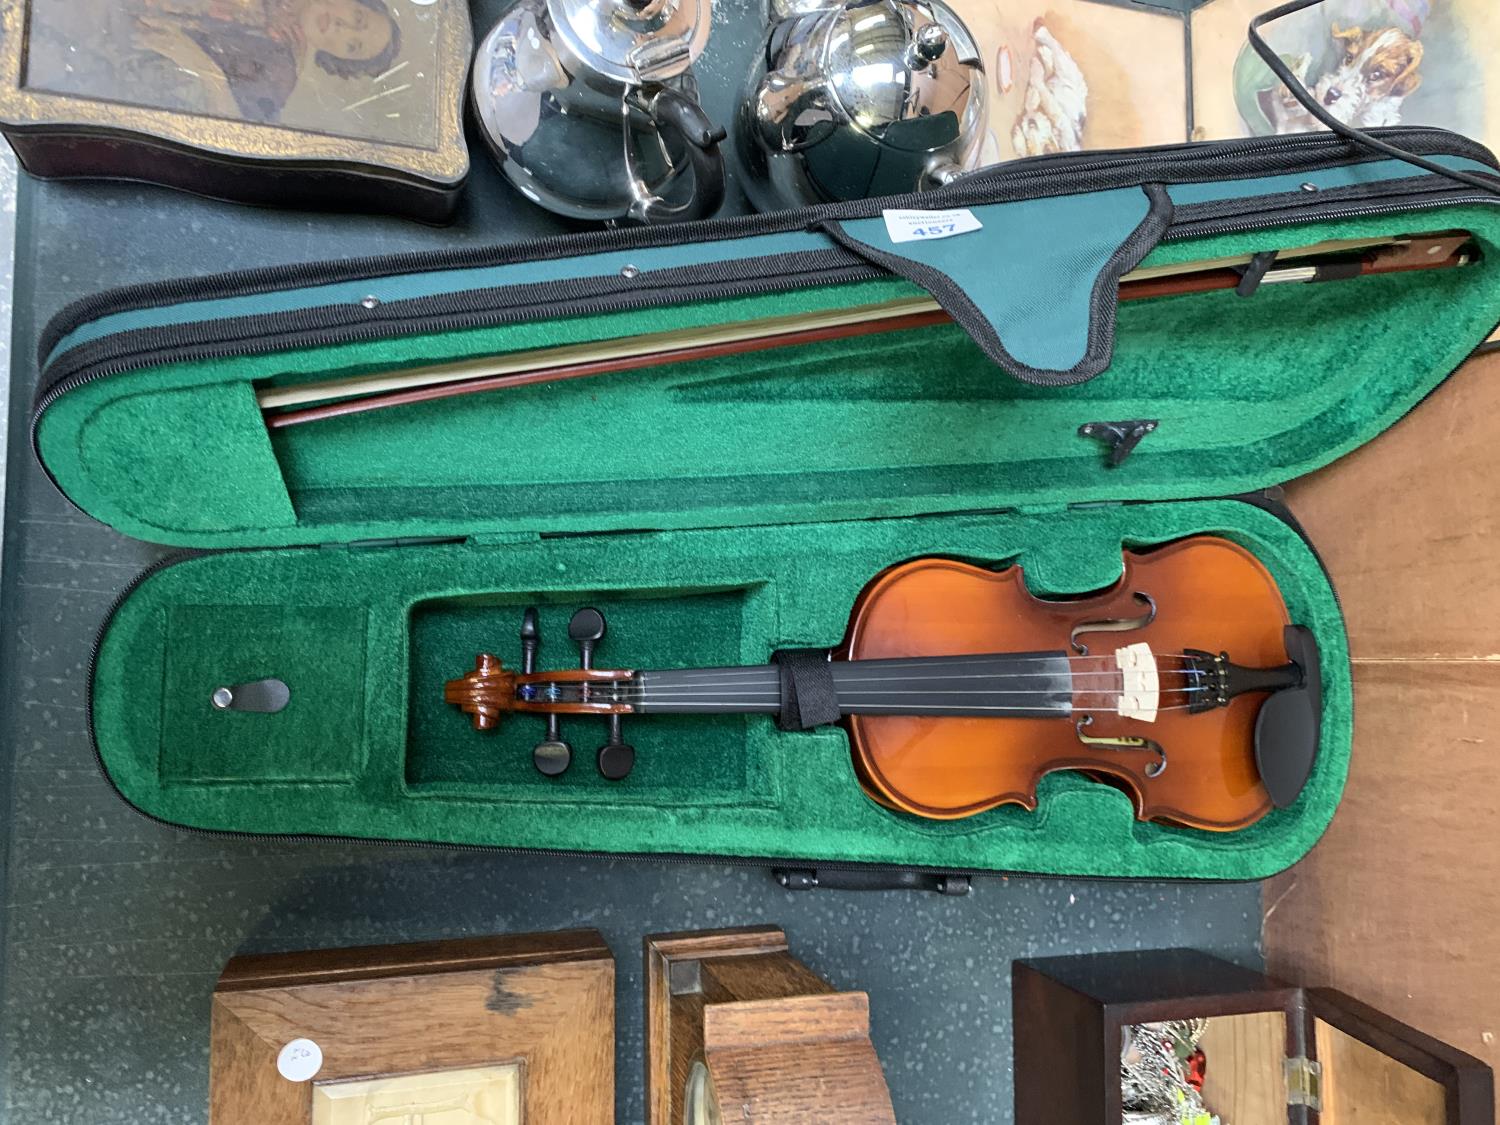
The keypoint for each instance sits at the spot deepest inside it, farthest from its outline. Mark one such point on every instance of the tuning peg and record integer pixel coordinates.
(616, 757)
(531, 640)
(587, 630)
(552, 756)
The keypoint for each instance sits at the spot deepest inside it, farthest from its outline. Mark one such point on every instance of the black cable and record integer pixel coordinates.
(1310, 103)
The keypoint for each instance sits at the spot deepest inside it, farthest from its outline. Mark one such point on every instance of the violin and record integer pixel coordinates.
(960, 690)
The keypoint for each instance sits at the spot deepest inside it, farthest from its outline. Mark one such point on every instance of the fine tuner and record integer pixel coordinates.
(960, 690)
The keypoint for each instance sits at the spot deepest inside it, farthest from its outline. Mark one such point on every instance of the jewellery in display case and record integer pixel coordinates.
(1162, 1067)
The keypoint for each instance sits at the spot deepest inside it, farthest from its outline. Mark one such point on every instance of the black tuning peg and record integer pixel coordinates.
(587, 630)
(531, 640)
(616, 757)
(551, 755)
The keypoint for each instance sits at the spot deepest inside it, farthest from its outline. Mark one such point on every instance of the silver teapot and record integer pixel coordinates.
(591, 109)
(858, 99)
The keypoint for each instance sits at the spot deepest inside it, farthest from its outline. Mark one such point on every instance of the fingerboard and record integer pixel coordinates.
(1017, 685)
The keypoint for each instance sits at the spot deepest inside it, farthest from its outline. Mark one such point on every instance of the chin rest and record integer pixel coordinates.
(1288, 727)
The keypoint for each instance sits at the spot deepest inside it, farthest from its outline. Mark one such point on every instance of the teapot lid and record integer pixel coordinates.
(634, 41)
(906, 71)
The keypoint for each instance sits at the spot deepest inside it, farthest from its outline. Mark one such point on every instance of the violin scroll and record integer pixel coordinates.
(484, 694)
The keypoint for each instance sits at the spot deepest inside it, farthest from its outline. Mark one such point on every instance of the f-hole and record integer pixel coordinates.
(1114, 625)
(1124, 743)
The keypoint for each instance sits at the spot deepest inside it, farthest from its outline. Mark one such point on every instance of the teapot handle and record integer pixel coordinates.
(673, 113)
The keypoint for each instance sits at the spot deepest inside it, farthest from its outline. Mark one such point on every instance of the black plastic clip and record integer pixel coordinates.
(1121, 437)
(876, 879)
(1255, 272)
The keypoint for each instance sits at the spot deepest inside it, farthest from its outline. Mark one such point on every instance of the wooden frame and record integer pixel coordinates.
(1069, 1013)
(543, 1001)
(781, 1044)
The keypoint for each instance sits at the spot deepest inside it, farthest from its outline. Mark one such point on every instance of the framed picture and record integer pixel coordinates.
(1065, 75)
(1369, 62)
(482, 1031)
(310, 85)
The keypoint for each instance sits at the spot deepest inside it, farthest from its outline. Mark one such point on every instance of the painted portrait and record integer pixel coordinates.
(355, 68)
(1369, 63)
(1067, 75)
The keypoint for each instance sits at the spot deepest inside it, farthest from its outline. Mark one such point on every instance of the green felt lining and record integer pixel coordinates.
(366, 637)
(1248, 393)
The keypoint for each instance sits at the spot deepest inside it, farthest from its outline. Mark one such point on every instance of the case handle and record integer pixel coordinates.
(874, 879)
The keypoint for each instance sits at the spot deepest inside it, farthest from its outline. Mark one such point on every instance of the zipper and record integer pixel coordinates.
(1319, 214)
(997, 184)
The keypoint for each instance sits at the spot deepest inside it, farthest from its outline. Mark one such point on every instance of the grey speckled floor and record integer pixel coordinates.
(115, 928)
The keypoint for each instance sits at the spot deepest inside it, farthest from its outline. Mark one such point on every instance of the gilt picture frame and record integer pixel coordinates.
(291, 102)
(477, 1031)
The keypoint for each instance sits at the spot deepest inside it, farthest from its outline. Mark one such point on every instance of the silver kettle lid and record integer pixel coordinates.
(892, 62)
(633, 41)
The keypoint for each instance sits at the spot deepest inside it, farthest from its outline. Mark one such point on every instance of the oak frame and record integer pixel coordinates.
(545, 1001)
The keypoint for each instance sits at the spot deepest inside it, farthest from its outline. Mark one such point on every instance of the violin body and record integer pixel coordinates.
(1207, 592)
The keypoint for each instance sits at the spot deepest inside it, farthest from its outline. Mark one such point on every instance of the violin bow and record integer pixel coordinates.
(298, 404)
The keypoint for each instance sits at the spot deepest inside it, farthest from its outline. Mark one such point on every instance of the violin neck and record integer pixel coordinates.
(998, 685)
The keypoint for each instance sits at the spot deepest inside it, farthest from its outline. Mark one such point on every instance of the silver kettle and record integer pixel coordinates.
(859, 99)
(591, 109)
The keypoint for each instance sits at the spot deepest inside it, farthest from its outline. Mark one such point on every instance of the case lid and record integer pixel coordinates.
(148, 415)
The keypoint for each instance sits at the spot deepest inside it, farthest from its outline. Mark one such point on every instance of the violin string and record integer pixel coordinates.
(1040, 681)
(741, 687)
(842, 682)
(921, 708)
(669, 696)
(946, 661)
(776, 692)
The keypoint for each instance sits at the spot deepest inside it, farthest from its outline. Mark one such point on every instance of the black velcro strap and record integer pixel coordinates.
(808, 697)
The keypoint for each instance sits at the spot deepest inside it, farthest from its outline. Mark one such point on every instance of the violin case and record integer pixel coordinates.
(719, 511)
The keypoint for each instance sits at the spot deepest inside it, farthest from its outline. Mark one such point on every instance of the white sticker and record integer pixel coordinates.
(924, 226)
(300, 1060)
